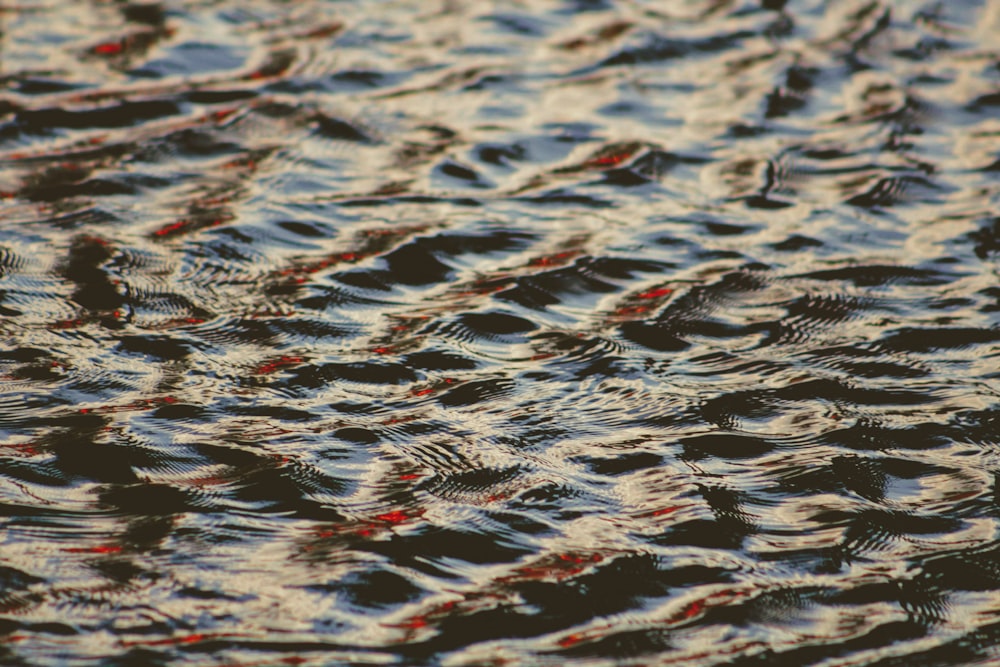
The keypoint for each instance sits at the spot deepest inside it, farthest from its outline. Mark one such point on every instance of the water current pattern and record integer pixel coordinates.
(499, 333)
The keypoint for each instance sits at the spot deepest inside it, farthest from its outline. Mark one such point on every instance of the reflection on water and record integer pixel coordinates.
(491, 333)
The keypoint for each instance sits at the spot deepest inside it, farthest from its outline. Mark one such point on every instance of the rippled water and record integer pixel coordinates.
(500, 332)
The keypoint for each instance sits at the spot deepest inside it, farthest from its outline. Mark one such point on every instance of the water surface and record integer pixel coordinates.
(470, 333)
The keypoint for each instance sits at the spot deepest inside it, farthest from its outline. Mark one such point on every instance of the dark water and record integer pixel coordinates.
(477, 333)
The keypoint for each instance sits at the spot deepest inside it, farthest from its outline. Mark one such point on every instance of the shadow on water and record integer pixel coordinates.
(486, 333)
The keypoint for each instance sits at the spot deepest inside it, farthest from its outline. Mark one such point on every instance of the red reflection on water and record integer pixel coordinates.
(558, 259)
(558, 567)
(101, 549)
(188, 225)
(108, 48)
(396, 516)
(281, 362)
(654, 293)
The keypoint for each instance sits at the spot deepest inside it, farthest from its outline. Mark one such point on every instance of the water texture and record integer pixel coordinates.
(485, 333)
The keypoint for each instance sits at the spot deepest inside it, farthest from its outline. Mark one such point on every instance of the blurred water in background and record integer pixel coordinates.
(485, 333)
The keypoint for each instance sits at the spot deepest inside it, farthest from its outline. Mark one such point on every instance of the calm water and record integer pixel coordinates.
(498, 333)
